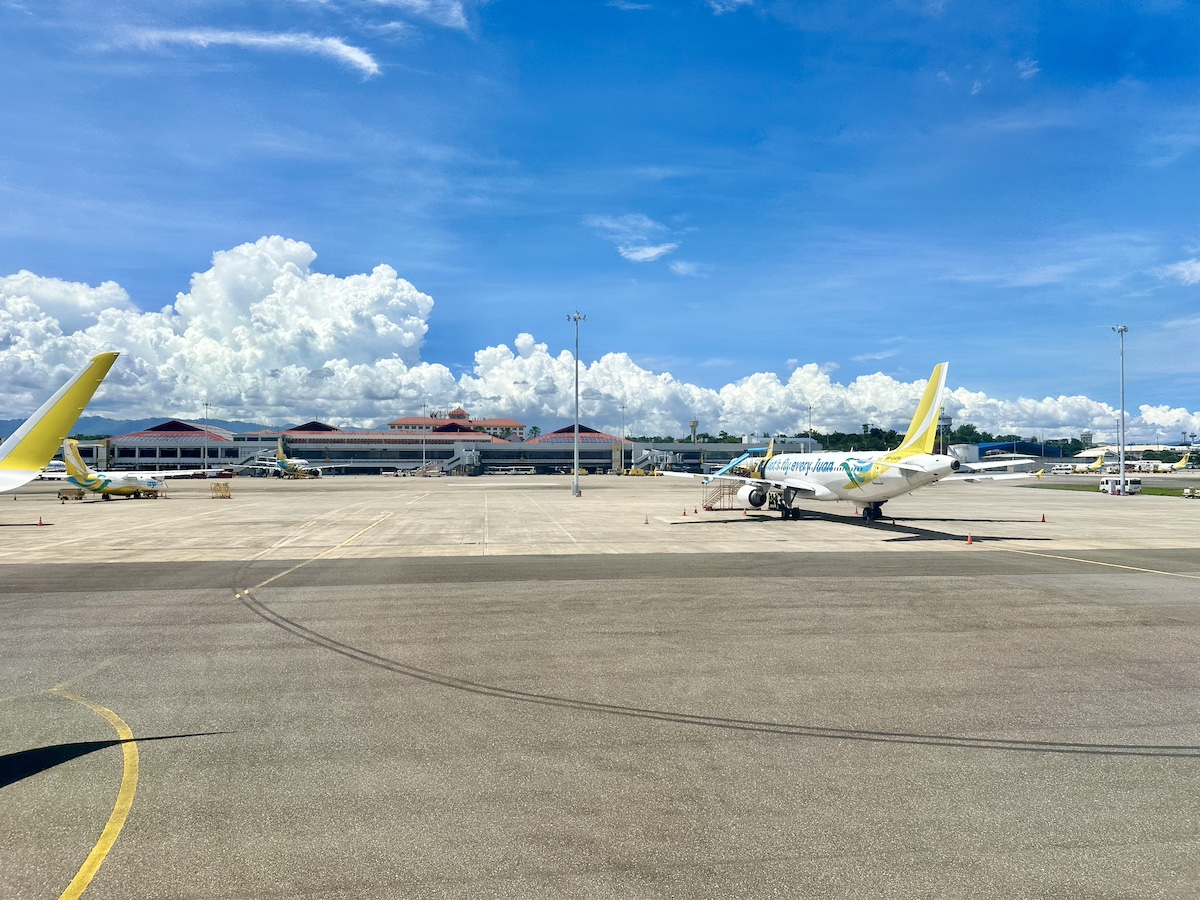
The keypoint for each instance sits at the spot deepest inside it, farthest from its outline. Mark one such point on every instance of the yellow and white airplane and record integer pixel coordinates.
(30, 448)
(289, 467)
(1182, 464)
(867, 479)
(117, 484)
(1093, 467)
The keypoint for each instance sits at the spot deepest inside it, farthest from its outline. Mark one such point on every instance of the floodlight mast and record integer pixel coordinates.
(1121, 331)
(576, 317)
(204, 465)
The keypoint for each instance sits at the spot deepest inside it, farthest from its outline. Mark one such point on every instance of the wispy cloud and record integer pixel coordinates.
(871, 357)
(329, 47)
(638, 237)
(646, 253)
(447, 13)
(1187, 271)
(720, 7)
(685, 269)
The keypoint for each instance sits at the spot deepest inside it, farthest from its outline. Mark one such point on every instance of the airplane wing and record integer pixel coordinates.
(972, 478)
(177, 473)
(30, 448)
(801, 486)
(984, 466)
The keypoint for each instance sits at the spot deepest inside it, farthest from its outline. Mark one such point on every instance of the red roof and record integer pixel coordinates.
(567, 436)
(174, 429)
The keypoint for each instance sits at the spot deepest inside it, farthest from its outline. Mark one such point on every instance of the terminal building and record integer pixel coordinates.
(455, 444)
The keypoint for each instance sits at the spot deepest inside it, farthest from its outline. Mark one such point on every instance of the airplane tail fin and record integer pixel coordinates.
(922, 431)
(1182, 464)
(770, 450)
(1097, 465)
(32, 445)
(279, 454)
(76, 467)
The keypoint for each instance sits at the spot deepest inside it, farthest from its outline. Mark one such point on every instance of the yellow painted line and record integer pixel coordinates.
(418, 497)
(357, 534)
(120, 812)
(1093, 562)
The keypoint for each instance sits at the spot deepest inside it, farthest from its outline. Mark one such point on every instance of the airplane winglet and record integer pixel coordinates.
(32, 446)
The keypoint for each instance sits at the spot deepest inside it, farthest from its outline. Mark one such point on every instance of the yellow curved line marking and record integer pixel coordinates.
(1096, 562)
(120, 812)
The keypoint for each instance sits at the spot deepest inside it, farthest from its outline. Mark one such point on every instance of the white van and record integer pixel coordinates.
(1111, 484)
(1062, 469)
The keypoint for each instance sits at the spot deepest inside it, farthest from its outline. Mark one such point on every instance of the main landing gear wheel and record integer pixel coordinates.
(789, 513)
(873, 513)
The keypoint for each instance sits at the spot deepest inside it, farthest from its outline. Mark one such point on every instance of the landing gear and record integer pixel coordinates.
(872, 512)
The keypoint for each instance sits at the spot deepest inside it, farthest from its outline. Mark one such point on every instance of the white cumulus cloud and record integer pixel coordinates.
(263, 336)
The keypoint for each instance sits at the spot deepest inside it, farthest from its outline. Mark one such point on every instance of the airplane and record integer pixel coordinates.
(289, 467)
(1093, 467)
(868, 479)
(116, 484)
(1182, 464)
(29, 449)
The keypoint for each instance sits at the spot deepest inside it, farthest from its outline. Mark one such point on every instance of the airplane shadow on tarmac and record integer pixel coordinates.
(904, 532)
(23, 763)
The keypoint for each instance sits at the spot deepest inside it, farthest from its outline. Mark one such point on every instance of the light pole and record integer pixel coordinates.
(808, 449)
(577, 317)
(424, 429)
(205, 464)
(1121, 331)
(622, 435)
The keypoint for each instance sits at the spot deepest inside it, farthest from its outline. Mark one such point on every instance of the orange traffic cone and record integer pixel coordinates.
(695, 512)
(685, 512)
(39, 521)
(1043, 517)
(969, 541)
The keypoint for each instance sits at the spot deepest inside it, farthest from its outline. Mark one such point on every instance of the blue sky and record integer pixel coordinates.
(724, 188)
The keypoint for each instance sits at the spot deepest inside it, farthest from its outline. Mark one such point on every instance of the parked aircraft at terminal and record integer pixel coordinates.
(289, 467)
(116, 484)
(30, 448)
(868, 479)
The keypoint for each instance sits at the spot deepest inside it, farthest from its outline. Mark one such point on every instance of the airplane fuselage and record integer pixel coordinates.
(861, 477)
(296, 467)
(118, 484)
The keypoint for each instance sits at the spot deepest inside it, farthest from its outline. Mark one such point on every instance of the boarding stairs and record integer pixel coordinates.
(721, 494)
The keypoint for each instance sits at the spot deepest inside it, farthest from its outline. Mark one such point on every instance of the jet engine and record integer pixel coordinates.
(751, 496)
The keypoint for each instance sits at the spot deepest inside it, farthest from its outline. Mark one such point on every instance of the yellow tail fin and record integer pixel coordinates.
(76, 467)
(32, 445)
(922, 431)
